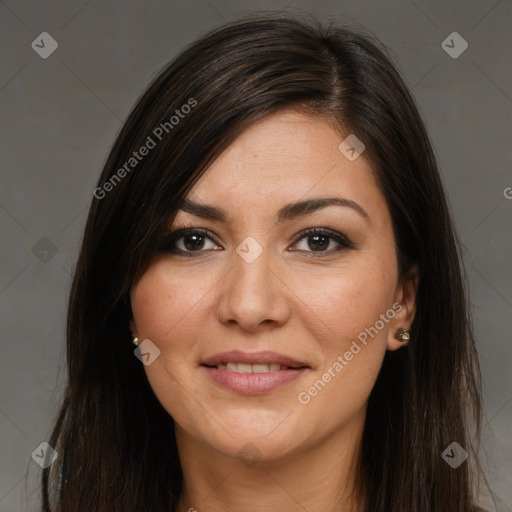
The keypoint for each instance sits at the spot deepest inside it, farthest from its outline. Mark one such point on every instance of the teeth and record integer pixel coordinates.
(251, 368)
(244, 368)
(261, 368)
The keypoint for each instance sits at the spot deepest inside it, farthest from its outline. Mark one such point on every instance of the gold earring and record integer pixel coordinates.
(403, 335)
(135, 341)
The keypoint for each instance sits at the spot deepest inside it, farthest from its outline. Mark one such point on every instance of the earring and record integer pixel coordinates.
(403, 335)
(135, 341)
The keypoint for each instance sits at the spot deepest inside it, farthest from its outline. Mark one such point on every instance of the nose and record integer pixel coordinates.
(253, 296)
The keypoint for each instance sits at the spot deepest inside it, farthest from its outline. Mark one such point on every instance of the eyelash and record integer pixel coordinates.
(169, 244)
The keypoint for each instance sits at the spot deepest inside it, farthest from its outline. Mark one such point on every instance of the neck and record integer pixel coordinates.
(320, 478)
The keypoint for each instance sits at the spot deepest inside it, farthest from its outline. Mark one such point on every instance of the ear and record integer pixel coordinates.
(404, 305)
(131, 322)
(133, 329)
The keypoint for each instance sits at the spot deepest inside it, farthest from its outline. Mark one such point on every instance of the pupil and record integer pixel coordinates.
(195, 241)
(321, 245)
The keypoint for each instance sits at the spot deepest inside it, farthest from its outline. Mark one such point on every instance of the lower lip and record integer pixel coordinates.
(253, 383)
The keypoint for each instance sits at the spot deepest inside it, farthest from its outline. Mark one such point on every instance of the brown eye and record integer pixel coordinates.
(193, 241)
(323, 241)
(318, 242)
(188, 241)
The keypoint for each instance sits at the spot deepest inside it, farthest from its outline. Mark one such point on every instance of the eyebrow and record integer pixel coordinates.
(286, 213)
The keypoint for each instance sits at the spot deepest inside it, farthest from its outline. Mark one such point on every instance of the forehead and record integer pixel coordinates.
(286, 157)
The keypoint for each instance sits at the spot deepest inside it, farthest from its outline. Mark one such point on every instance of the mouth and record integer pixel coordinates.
(252, 373)
(251, 368)
(252, 362)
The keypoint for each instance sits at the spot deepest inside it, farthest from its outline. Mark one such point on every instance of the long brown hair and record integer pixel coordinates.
(116, 444)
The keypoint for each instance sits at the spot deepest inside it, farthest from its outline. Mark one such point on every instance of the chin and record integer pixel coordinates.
(250, 434)
(251, 449)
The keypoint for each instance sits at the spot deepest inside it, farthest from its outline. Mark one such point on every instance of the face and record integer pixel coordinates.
(269, 333)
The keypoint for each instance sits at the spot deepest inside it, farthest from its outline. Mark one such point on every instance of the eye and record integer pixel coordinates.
(318, 240)
(188, 241)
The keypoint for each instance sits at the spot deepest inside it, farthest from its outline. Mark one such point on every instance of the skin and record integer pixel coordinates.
(286, 301)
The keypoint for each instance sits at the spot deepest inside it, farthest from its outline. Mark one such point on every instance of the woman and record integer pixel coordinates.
(271, 233)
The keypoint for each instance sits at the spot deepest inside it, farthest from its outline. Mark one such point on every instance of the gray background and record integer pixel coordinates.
(59, 117)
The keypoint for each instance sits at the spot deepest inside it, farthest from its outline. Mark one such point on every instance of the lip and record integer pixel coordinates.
(253, 383)
(265, 357)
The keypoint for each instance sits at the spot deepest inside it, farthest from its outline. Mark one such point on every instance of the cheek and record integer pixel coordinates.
(163, 307)
(168, 307)
(340, 303)
(345, 320)
(163, 301)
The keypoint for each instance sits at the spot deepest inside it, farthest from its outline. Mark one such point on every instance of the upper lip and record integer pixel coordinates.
(265, 357)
